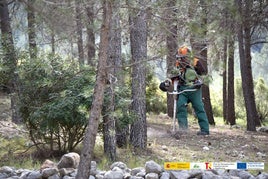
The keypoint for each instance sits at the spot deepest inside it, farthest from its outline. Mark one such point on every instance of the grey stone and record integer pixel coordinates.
(164, 175)
(99, 176)
(182, 174)
(241, 173)
(34, 175)
(6, 170)
(151, 176)
(141, 174)
(262, 176)
(55, 176)
(68, 177)
(153, 167)
(66, 171)
(93, 168)
(210, 175)
(134, 171)
(113, 175)
(121, 165)
(69, 160)
(47, 172)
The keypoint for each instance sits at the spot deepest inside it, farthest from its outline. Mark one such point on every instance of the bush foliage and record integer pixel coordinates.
(54, 100)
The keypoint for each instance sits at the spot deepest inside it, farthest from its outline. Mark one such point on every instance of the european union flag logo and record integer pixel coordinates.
(242, 166)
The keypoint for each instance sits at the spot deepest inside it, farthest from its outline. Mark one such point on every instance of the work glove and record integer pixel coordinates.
(165, 85)
(197, 84)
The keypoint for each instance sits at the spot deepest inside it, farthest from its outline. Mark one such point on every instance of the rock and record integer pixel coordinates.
(205, 148)
(141, 174)
(93, 169)
(165, 175)
(153, 167)
(113, 175)
(119, 165)
(134, 171)
(210, 175)
(151, 176)
(55, 176)
(66, 171)
(47, 172)
(47, 164)
(262, 176)
(70, 160)
(68, 177)
(34, 175)
(260, 155)
(183, 174)
(263, 129)
(6, 169)
(241, 174)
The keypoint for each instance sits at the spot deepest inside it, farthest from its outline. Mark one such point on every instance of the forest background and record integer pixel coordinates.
(74, 69)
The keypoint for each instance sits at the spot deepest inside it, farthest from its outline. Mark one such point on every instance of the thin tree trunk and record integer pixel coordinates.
(138, 41)
(9, 60)
(79, 32)
(31, 28)
(243, 33)
(171, 42)
(224, 79)
(114, 53)
(92, 129)
(52, 41)
(231, 97)
(90, 35)
(224, 74)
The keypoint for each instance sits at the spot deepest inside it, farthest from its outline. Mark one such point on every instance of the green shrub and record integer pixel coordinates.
(54, 101)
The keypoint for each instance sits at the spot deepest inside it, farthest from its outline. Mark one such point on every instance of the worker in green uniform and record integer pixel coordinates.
(188, 70)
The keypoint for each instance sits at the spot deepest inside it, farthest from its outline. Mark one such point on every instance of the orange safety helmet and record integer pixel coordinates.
(181, 55)
(183, 51)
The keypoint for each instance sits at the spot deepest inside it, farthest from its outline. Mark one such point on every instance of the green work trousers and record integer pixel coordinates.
(194, 97)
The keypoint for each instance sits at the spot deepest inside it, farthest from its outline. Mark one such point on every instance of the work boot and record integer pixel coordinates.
(202, 133)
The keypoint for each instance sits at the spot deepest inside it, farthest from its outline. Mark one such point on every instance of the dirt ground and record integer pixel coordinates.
(224, 144)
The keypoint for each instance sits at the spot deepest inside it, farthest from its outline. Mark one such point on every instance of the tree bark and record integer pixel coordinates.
(243, 34)
(79, 33)
(224, 82)
(90, 35)
(114, 56)
(138, 41)
(9, 60)
(171, 42)
(92, 129)
(31, 28)
(231, 97)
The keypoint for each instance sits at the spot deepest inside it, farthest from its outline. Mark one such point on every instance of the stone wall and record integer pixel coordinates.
(66, 168)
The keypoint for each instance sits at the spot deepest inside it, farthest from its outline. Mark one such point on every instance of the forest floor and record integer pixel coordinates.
(224, 144)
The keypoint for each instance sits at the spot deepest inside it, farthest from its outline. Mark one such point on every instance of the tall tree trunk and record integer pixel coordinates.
(31, 28)
(9, 60)
(92, 129)
(52, 42)
(79, 31)
(201, 48)
(138, 42)
(224, 81)
(90, 35)
(224, 74)
(114, 56)
(231, 106)
(243, 33)
(171, 42)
